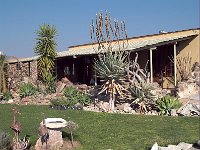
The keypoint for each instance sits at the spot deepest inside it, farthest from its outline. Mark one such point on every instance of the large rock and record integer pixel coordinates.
(103, 106)
(180, 146)
(124, 107)
(189, 110)
(187, 90)
(159, 92)
(60, 86)
(184, 146)
(66, 81)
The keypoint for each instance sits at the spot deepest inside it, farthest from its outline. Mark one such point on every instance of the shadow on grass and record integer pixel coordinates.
(67, 135)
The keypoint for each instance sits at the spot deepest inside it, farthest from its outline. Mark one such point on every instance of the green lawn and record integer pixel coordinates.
(101, 131)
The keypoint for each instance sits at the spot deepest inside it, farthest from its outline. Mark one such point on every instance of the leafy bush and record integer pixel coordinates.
(74, 96)
(59, 102)
(50, 82)
(27, 89)
(4, 140)
(166, 104)
(7, 96)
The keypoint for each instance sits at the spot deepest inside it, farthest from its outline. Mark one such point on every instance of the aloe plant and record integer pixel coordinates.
(27, 89)
(141, 92)
(166, 104)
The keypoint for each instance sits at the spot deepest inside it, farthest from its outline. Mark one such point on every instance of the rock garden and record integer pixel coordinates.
(126, 97)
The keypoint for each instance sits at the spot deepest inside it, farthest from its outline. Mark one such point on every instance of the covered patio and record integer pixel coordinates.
(77, 65)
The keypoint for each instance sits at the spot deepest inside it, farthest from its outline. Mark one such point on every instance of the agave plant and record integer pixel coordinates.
(141, 92)
(27, 89)
(166, 104)
(111, 68)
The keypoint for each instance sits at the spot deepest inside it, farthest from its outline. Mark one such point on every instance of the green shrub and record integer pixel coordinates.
(4, 140)
(166, 104)
(60, 102)
(74, 96)
(50, 82)
(7, 96)
(27, 89)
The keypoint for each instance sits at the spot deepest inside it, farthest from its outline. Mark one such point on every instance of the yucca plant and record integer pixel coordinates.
(166, 104)
(46, 49)
(49, 82)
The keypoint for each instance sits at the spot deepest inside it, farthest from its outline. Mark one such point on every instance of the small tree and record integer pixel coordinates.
(3, 60)
(111, 38)
(46, 48)
(71, 126)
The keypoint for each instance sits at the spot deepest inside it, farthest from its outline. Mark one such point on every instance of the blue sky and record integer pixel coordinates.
(19, 19)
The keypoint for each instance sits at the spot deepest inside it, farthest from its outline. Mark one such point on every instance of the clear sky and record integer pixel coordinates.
(19, 19)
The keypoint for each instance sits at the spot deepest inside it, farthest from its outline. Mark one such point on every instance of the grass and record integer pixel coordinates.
(101, 131)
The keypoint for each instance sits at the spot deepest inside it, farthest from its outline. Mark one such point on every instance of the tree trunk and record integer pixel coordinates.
(111, 102)
(72, 139)
(3, 81)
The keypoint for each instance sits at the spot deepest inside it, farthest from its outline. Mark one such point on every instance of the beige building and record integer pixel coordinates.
(159, 49)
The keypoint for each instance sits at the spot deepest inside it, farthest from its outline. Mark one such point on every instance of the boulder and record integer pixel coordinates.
(180, 146)
(187, 90)
(60, 87)
(189, 110)
(103, 106)
(184, 146)
(66, 81)
(126, 107)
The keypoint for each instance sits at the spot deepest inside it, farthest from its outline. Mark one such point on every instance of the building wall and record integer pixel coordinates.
(21, 71)
(191, 46)
(183, 48)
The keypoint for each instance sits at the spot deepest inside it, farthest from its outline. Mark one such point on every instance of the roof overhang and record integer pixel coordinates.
(132, 46)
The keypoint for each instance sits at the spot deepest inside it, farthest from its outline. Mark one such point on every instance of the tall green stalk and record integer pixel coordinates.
(2, 60)
(46, 49)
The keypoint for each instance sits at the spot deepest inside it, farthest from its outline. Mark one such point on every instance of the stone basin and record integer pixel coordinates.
(54, 123)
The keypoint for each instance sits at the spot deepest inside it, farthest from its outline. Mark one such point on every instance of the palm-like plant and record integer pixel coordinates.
(111, 68)
(46, 48)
